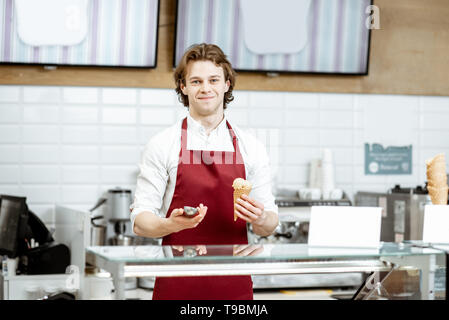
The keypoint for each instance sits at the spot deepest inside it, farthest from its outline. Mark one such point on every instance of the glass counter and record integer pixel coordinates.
(380, 262)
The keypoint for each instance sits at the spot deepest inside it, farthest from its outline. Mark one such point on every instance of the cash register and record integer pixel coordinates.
(24, 236)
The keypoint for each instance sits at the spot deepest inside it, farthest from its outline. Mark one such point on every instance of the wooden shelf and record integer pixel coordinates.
(408, 56)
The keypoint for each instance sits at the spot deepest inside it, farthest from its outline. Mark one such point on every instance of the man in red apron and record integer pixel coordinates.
(205, 80)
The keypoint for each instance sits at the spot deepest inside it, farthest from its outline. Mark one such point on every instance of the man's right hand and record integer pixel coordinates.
(181, 222)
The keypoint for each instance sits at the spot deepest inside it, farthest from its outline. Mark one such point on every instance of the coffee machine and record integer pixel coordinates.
(402, 211)
(115, 225)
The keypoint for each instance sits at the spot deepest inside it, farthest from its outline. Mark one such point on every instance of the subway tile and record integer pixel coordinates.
(266, 118)
(237, 116)
(267, 136)
(241, 99)
(336, 119)
(119, 175)
(80, 154)
(37, 94)
(274, 155)
(301, 137)
(11, 190)
(80, 174)
(342, 174)
(40, 154)
(299, 155)
(118, 115)
(428, 153)
(123, 96)
(336, 137)
(9, 113)
(81, 134)
(181, 113)
(9, 153)
(392, 102)
(120, 155)
(42, 194)
(9, 93)
(359, 138)
(9, 174)
(40, 114)
(439, 139)
(302, 118)
(360, 176)
(40, 174)
(405, 180)
(45, 212)
(147, 132)
(80, 95)
(301, 100)
(40, 134)
(158, 97)
(435, 121)
(9, 134)
(119, 134)
(335, 101)
(271, 99)
(359, 156)
(361, 102)
(341, 156)
(296, 175)
(434, 104)
(358, 120)
(79, 194)
(79, 114)
(157, 116)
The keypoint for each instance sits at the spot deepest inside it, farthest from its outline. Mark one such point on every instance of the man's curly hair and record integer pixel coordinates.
(204, 52)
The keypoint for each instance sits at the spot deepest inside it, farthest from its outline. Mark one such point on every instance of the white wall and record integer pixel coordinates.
(68, 145)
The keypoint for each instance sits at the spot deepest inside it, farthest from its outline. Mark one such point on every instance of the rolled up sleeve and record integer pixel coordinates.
(151, 181)
(260, 177)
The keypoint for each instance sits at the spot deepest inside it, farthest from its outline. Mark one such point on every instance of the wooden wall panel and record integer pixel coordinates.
(409, 55)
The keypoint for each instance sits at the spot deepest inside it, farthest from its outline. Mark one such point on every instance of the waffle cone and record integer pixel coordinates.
(437, 168)
(438, 181)
(237, 194)
(438, 195)
(438, 158)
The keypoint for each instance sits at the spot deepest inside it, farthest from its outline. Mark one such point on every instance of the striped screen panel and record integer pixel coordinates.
(120, 33)
(337, 36)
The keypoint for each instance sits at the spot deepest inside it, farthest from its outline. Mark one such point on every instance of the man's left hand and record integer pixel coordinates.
(250, 210)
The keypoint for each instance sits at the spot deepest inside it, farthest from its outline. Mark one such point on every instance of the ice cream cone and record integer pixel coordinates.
(437, 179)
(438, 195)
(241, 186)
(438, 158)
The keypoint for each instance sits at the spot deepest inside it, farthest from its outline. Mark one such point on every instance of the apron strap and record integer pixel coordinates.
(236, 155)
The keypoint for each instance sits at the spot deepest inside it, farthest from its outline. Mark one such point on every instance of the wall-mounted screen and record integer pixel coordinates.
(112, 33)
(300, 36)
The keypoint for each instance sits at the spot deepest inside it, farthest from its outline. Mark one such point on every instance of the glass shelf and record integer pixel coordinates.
(252, 253)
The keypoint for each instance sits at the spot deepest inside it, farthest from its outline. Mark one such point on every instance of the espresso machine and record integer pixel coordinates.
(402, 211)
(113, 227)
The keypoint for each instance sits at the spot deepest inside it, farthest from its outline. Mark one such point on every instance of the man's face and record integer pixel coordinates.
(205, 87)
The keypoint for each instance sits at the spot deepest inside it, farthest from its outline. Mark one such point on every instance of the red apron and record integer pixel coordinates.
(200, 180)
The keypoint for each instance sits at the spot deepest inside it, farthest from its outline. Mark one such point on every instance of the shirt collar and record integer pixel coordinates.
(196, 126)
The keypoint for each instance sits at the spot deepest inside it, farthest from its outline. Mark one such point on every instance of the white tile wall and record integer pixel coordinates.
(68, 145)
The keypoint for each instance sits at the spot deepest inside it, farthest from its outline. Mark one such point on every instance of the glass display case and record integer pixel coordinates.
(395, 271)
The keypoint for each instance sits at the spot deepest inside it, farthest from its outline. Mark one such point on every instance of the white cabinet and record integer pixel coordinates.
(32, 287)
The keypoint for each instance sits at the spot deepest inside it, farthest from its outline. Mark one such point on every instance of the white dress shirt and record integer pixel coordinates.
(159, 164)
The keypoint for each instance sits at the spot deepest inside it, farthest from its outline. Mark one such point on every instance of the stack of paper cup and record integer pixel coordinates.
(327, 173)
(315, 174)
(437, 179)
